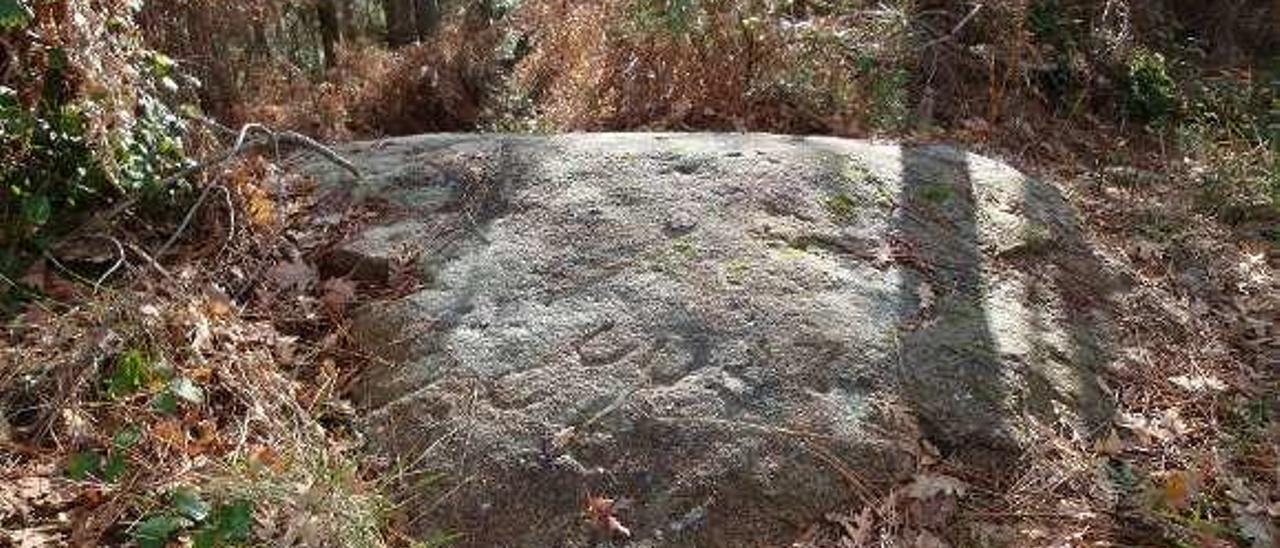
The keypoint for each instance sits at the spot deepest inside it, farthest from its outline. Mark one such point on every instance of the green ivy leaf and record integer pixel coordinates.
(206, 537)
(188, 503)
(36, 208)
(235, 521)
(132, 373)
(166, 403)
(82, 464)
(14, 14)
(116, 465)
(126, 437)
(155, 531)
(230, 524)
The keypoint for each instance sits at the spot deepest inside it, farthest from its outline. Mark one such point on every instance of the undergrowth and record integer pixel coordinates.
(1044, 81)
(88, 118)
(201, 404)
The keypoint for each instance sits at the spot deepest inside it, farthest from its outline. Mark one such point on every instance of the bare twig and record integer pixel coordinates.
(65, 270)
(249, 128)
(243, 144)
(186, 220)
(35, 298)
(295, 138)
(119, 262)
(149, 259)
(231, 218)
(955, 31)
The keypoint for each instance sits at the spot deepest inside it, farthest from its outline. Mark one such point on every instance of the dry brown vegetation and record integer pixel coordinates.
(200, 400)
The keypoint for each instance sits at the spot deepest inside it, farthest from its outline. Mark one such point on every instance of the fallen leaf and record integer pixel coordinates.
(600, 513)
(216, 303)
(170, 432)
(928, 540)
(31, 538)
(292, 277)
(206, 436)
(36, 276)
(1255, 526)
(265, 457)
(857, 530)
(927, 297)
(1178, 488)
(1111, 445)
(1166, 428)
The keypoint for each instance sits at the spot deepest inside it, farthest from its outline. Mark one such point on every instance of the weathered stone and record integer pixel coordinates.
(716, 330)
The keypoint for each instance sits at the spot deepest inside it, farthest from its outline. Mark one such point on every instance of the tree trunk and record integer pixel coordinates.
(347, 19)
(400, 26)
(330, 33)
(218, 92)
(427, 17)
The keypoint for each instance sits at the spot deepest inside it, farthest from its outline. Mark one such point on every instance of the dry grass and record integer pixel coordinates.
(439, 85)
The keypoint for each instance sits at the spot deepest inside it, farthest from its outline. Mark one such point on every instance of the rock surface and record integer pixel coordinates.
(728, 334)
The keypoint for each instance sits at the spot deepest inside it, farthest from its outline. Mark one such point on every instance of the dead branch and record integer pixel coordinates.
(186, 220)
(955, 31)
(244, 143)
(150, 260)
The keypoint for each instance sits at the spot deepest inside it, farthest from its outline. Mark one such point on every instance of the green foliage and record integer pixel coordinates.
(1059, 35)
(936, 194)
(65, 151)
(84, 464)
(1232, 129)
(134, 371)
(890, 107)
(1150, 93)
(677, 17)
(155, 531)
(1046, 22)
(188, 503)
(115, 467)
(47, 165)
(497, 9)
(227, 524)
(90, 463)
(14, 14)
(437, 539)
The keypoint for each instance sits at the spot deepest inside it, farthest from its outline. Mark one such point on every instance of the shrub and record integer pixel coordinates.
(83, 121)
(1150, 94)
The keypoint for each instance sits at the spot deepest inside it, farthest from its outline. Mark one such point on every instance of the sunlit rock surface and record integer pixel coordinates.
(712, 329)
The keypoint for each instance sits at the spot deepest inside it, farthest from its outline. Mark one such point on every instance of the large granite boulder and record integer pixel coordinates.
(728, 334)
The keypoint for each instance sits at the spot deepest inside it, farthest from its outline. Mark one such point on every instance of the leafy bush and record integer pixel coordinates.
(78, 130)
(1150, 94)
